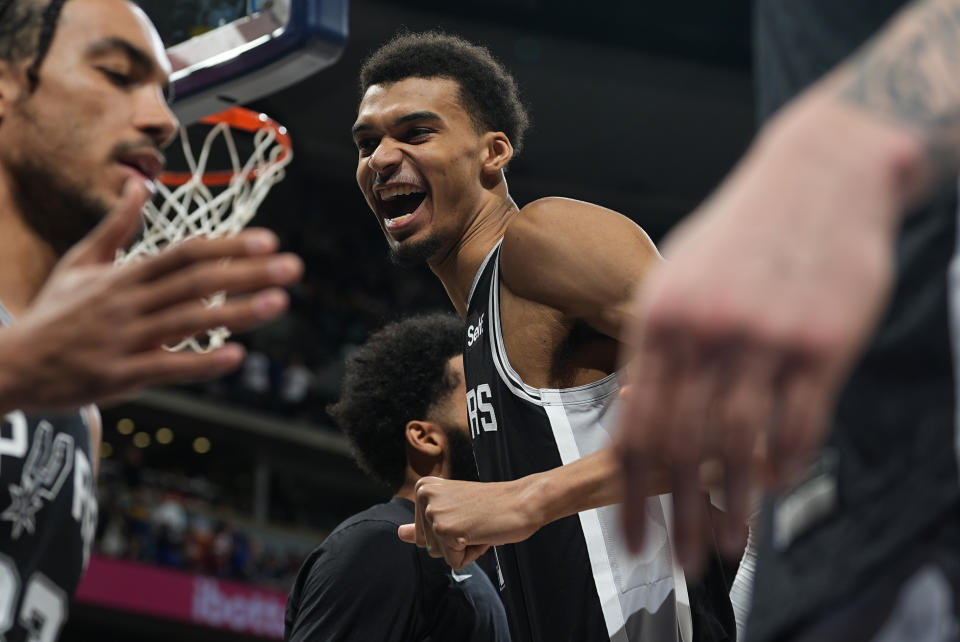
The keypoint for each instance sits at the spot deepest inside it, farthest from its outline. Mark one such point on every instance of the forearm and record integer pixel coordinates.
(910, 74)
(590, 482)
(891, 112)
(12, 364)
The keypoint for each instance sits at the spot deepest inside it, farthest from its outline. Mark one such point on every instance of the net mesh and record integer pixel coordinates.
(214, 203)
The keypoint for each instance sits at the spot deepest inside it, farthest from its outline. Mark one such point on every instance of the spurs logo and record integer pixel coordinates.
(44, 472)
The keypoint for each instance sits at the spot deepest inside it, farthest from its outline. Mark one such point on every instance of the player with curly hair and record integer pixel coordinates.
(403, 410)
(544, 290)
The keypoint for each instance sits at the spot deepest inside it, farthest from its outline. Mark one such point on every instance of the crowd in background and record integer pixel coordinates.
(191, 524)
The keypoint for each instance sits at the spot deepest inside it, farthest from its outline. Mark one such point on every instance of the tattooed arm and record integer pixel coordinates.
(774, 285)
(910, 75)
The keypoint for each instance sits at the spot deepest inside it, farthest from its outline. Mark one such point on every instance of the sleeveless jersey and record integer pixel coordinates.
(574, 578)
(48, 516)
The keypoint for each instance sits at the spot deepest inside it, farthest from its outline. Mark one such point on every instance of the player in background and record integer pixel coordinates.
(82, 119)
(544, 290)
(403, 409)
(809, 304)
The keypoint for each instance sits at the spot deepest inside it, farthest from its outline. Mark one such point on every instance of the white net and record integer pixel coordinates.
(213, 203)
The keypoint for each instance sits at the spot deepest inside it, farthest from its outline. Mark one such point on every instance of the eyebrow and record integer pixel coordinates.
(136, 55)
(406, 118)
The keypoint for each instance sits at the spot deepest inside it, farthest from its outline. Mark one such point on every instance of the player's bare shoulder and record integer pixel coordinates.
(557, 246)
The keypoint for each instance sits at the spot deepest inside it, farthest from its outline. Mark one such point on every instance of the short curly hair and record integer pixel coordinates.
(488, 92)
(398, 375)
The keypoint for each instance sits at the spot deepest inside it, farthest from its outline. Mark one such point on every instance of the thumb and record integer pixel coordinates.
(473, 553)
(408, 533)
(117, 228)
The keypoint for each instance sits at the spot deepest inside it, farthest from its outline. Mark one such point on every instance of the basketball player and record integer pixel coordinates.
(544, 290)
(403, 409)
(82, 118)
(801, 301)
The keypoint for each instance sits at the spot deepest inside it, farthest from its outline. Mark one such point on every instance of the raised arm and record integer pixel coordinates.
(583, 262)
(774, 285)
(580, 259)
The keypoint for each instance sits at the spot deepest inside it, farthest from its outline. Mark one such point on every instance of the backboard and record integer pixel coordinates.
(229, 52)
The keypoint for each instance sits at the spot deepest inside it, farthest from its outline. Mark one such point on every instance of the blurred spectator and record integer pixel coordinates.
(176, 527)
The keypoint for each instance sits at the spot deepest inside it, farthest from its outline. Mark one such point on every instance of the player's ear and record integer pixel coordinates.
(13, 78)
(426, 437)
(497, 151)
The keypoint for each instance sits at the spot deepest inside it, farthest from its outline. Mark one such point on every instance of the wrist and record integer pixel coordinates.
(852, 149)
(536, 499)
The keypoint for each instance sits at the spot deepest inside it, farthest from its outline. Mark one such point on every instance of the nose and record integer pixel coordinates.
(154, 116)
(386, 158)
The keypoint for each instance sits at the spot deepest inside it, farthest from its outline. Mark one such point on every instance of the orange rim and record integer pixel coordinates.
(241, 119)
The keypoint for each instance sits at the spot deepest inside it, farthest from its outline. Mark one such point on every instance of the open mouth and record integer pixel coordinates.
(398, 204)
(148, 164)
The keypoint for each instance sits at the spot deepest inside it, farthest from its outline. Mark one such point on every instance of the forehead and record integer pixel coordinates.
(393, 100)
(84, 22)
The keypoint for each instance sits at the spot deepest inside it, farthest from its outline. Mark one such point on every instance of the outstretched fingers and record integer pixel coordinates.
(744, 415)
(201, 280)
(159, 366)
(639, 422)
(807, 397)
(194, 317)
(248, 243)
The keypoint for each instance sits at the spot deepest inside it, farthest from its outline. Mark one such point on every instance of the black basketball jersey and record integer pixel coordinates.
(573, 579)
(48, 516)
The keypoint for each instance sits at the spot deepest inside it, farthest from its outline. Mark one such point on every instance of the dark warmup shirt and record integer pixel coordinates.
(886, 484)
(48, 516)
(364, 584)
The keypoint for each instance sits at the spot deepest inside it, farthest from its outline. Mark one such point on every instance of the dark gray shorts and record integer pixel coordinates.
(919, 601)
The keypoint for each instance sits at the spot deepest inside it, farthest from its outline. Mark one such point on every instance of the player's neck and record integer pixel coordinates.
(458, 267)
(25, 260)
(422, 466)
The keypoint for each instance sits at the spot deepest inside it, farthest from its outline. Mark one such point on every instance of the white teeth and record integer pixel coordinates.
(389, 193)
(398, 219)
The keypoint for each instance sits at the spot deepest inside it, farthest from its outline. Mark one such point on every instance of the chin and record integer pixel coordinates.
(410, 253)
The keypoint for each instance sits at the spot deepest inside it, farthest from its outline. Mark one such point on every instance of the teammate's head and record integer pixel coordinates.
(82, 110)
(403, 403)
(438, 122)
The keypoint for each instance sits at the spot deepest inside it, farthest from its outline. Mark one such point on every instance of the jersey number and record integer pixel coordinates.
(44, 605)
(16, 444)
(480, 410)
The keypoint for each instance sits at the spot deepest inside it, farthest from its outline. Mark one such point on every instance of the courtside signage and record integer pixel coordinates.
(185, 597)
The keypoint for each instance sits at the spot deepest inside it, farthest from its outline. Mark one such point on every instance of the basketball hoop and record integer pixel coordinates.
(212, 202)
